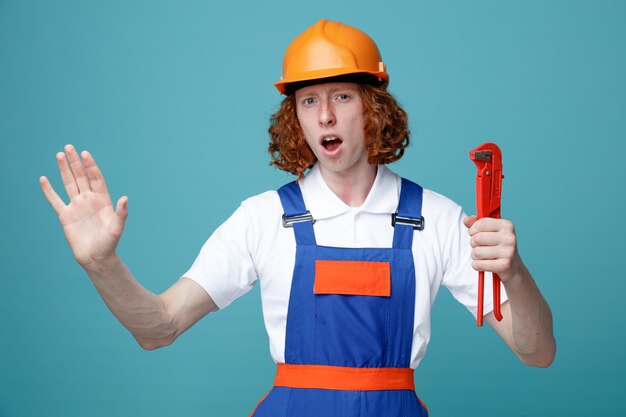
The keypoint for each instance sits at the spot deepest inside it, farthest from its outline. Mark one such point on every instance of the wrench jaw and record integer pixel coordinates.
(481, 155)
(488, 160)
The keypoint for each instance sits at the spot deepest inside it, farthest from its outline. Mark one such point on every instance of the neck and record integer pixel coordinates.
(352, 188)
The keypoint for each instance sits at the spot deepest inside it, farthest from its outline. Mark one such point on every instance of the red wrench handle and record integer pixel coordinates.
(497, 312)
(481, 297)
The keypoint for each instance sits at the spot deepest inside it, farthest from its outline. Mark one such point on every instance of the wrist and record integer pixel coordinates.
(102, 264)
(517, 274)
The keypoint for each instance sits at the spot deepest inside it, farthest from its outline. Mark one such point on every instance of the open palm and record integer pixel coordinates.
(91, 226)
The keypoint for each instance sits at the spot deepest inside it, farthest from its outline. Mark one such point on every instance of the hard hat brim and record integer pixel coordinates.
(327, 75)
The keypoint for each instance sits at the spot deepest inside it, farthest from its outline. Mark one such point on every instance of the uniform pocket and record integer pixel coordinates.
(352, 300)
(352, 278)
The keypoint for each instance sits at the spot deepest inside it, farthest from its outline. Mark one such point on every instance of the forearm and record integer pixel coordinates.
(531, 320)
(143, 313)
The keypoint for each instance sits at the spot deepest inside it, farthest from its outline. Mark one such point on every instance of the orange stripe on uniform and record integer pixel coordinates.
(352, 278)
(343, 378)
(423, 405)
(259, 403)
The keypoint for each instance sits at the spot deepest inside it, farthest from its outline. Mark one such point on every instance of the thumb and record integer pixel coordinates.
(121, 213)
(469, 220)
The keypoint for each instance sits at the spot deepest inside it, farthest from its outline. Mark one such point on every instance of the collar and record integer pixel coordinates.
(323, 203)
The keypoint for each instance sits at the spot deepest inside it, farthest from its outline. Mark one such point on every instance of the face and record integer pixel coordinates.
(331, 117)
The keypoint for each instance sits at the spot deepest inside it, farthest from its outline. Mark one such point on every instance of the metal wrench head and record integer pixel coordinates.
(488, 160)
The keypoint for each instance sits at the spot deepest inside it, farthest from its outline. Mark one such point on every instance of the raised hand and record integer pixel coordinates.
(91, 226)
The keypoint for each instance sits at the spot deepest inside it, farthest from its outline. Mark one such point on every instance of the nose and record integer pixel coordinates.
(326, 114)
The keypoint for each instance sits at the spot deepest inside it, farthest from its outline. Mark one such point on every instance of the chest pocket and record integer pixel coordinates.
(352, 278)
(352, 301)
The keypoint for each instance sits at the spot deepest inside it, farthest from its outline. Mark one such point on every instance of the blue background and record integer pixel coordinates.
(173, 100)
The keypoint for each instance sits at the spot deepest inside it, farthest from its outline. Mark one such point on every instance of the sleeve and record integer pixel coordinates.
(458, 275)
(224, 267)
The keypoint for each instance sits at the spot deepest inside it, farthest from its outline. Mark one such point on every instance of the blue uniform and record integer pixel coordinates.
(348, 330)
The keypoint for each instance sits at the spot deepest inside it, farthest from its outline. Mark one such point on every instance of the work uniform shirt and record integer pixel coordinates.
(253, 245)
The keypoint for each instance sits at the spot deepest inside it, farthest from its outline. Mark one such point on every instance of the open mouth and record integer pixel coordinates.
(331, 143)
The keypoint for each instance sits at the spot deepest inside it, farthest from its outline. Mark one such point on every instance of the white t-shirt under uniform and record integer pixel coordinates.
(253, 245)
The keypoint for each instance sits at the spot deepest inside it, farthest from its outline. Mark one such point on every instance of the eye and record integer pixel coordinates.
(308, 101)
(343, 97)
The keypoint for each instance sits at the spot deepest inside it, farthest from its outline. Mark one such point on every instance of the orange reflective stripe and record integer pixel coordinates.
(259, 403)
(423, 405)
(343, 378)
(352, 278)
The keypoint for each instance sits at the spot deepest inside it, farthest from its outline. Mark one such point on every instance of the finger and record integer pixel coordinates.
(493, 253)
(485, 239)
(489, 224)
(468, 221)
(51, 195)
(482, 253)
(78, 168)
(121, 214)
(96, 179)
(498, 266)
(69, 182)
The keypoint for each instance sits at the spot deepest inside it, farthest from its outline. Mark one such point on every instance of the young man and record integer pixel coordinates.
(349, 258)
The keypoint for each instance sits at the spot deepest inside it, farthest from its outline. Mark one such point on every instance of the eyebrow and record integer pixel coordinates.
(332, 91)
(347, 88)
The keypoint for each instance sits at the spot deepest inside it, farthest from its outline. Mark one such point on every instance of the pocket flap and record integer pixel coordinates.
(352, 278)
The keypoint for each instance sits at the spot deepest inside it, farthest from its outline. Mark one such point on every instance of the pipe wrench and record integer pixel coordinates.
(488, 160)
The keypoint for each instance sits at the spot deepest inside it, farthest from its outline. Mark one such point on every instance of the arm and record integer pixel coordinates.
(93, 230)
(154, 320)
(527, 324)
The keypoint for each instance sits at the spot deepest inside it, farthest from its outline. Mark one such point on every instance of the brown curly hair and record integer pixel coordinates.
(386, 132)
